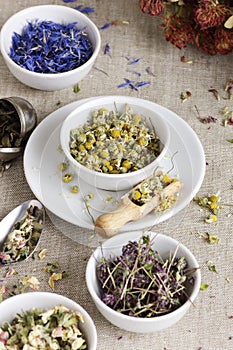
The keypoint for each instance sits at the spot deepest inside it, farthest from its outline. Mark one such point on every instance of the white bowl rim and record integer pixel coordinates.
(51, 75)
(109, 98)
(160, 318)
(49, 295)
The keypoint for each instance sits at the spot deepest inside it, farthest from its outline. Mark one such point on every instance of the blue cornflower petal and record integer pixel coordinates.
(45, 47)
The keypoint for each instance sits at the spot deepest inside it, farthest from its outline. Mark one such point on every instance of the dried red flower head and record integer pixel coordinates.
(206, 23)
(179, 31)
(205, 41)
(210, 13)
(152, 7)
(224, 40)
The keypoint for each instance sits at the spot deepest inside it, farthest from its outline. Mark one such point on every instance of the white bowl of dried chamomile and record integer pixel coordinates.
(114, 142)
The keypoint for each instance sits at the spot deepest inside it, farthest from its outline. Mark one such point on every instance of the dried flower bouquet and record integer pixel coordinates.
(208, 24)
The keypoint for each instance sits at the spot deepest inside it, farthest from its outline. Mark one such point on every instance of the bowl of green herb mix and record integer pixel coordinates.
(143, 282)
(49, 47)
(42, 320)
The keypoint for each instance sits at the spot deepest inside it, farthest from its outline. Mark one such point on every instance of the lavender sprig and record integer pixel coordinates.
(140, 283)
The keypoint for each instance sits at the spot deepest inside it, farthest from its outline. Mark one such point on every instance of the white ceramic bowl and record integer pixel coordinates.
(27, 301)
(164, 245)
(82, 114)
(57, 14)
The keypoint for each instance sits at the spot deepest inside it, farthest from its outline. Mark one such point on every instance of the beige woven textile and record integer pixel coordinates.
(208, 325)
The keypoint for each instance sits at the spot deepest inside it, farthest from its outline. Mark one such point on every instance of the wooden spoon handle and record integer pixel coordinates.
(107, 225)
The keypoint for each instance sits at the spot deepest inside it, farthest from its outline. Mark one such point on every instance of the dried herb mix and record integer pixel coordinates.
(23, 237)
(49, 47)
(114, 143)
(55, 328)
(141, 283)
(10, 127)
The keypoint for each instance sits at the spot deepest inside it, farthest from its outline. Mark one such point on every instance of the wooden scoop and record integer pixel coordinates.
(107, 225)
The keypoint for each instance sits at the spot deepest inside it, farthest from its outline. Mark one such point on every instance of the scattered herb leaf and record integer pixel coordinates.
(183, 60)
(228, 88)
(211, 266)
(134, 72)
(132, 85)
(76, 88)
(54, 277)
(107, 49)
(215, 93)
(184, 96)
(149, 71)
(85, 9)
(101, 70)
(42, 253)
(204, 286)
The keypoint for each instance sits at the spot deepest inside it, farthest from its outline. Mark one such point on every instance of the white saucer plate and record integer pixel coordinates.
(42, 157)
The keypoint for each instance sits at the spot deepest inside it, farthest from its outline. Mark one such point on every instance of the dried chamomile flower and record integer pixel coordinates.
(88, 196)
(147, 190)
(114, 143)
(67, 178)
(212, 203)
(75, 189)
(208, 237)
(63, 166)
(212, 238)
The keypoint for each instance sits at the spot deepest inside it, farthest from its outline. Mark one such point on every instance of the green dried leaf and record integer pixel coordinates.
(211, 266)
(230, 140)
(76, 88)
(204, 286)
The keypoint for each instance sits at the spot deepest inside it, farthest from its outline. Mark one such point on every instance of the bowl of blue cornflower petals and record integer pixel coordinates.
(143, 282)
(49, 47)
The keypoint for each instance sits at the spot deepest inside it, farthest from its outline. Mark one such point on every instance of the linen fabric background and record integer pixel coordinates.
(209, 323)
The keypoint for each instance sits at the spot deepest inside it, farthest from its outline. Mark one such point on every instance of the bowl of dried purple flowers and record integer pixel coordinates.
(143, 282)
(42, 320)
(49, 47)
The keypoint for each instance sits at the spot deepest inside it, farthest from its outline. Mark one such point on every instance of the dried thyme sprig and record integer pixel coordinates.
(141, 283)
